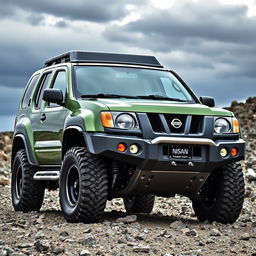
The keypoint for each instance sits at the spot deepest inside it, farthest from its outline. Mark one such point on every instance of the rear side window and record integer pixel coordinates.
(27, 96)
(44, 81)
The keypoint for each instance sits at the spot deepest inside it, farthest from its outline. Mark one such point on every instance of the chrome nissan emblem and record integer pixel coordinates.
(176, 123)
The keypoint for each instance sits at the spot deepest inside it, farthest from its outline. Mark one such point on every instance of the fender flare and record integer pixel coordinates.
(21, 133)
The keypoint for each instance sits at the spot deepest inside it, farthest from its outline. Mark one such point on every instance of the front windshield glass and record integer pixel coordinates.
(107, 80)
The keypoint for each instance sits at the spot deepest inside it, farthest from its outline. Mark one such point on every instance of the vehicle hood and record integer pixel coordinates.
(159, 106)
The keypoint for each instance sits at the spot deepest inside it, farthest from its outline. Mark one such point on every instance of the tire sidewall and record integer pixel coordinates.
(229, 197)
(66, 207)
(16, 163)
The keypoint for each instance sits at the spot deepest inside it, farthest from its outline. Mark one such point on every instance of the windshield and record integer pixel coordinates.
(103, 81)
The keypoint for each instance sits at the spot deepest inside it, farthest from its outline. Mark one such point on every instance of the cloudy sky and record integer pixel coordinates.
(211, 44)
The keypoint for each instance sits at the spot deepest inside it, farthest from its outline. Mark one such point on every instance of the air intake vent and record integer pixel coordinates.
(155, 122)
(196, 124)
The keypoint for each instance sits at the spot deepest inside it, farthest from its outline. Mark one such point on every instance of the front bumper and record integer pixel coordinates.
(152, 154)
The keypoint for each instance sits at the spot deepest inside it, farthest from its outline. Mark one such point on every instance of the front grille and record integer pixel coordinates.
(176, 123)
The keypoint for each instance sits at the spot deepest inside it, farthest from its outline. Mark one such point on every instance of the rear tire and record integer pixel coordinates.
(143, 203)
(221, 197)
(27, 193)
(83, 186)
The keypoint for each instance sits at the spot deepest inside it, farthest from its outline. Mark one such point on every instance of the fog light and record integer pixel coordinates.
(121, 147)
(134, 149)
(234, 152)
(223, 152)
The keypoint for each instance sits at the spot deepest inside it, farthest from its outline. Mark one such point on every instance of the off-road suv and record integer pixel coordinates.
(101, 126)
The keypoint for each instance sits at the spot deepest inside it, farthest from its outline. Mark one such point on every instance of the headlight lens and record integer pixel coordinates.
(222, 126)
(125, 121)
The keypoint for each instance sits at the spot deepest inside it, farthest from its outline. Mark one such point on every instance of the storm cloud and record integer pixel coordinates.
(210, 44)
(96, 11)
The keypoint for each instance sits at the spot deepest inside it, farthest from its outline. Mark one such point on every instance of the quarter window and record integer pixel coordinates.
(29, 90)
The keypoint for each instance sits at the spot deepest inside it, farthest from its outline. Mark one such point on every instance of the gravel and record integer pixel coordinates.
(168, 230)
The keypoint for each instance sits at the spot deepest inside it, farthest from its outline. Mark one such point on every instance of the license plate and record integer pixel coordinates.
(181, 152)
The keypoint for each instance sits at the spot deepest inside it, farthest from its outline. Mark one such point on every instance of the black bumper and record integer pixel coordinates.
(154, 156)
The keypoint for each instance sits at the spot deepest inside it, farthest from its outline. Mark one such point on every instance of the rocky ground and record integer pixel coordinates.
(171, 229)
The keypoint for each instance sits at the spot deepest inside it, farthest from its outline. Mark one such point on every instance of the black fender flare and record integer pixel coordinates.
(21, 134)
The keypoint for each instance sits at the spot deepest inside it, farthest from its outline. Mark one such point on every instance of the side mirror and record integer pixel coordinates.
(208, 101)
(53, 96)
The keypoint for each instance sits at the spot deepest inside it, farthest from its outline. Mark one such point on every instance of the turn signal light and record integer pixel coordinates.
(236, 128)
(121, 147)
(234, 152)
(106, 119)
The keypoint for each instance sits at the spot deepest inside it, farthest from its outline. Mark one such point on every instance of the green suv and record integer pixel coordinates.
(100, 126)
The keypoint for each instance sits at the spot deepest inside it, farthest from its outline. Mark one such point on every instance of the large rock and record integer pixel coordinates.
(3, 156)
(4, 181)
(250, 174)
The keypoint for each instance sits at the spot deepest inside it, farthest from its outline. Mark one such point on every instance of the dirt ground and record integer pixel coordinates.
(171, 229)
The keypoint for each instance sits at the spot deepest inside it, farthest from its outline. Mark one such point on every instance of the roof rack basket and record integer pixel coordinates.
(98, 57)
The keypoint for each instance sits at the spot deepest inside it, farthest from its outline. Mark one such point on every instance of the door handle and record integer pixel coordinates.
(43, 117)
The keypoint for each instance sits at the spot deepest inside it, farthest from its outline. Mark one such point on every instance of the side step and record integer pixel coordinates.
(47, 175)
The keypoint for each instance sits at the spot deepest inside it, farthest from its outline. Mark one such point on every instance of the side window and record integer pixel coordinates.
(39, 96)
(27, 96)
(60, 82)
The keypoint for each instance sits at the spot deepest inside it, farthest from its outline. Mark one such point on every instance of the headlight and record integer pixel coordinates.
(222, 126)
(125, 121)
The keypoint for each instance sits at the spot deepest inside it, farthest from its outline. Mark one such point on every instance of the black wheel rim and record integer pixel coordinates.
(209, 192)
(19, 182)
(73, 186)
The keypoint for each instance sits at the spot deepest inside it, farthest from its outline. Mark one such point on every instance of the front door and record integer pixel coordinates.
(49, 133)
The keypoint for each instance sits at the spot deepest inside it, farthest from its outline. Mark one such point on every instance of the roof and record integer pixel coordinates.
(100, 57)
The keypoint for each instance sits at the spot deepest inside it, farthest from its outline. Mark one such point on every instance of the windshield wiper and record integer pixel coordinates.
(104, 95)
(159, 97)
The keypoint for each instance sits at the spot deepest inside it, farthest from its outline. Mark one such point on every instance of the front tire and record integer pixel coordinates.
(221, 197)
(143, 203)
(83, 186)
(27, 193)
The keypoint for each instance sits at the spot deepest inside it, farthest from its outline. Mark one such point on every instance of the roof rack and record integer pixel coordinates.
(98, 57)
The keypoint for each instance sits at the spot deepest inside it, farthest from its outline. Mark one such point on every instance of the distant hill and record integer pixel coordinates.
(246, 115)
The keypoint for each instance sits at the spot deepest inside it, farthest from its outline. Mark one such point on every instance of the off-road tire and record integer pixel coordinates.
(27, 193)
(88, 200)
(222, 196)
(143, 203)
